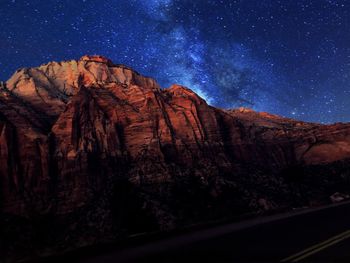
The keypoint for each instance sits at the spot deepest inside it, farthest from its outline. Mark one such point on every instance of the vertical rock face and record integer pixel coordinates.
(92, 142)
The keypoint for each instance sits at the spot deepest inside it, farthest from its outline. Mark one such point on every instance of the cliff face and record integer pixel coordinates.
(89, 135)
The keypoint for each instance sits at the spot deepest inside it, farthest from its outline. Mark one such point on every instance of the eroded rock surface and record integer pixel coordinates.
(102, 151)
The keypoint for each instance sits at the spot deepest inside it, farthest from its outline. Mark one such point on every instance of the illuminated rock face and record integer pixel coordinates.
(72, 132)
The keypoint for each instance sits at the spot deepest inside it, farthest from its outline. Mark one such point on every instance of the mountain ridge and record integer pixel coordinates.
(100, 151)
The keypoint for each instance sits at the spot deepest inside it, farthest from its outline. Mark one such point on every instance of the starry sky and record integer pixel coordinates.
(288, 57)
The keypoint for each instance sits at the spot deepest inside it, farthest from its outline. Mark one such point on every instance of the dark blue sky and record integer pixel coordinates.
(289, 57)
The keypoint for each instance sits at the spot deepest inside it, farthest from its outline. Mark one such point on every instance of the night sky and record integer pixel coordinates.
(288, 57)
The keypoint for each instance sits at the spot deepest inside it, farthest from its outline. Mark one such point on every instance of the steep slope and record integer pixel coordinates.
(100, 151)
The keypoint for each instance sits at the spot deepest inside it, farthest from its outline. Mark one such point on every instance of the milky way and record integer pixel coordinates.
(287, 57)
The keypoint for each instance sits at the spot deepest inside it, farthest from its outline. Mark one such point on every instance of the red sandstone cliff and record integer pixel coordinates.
(71, 133)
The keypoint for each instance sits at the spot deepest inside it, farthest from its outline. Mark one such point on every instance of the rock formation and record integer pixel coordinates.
(98, 150)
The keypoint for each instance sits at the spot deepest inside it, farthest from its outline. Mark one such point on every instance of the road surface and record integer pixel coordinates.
(317, 235)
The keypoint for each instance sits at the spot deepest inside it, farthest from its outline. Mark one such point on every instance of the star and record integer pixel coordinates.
(285, 57)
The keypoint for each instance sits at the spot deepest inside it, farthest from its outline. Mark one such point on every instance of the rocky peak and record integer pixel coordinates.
(80, 138)
(97, 58)
(48, 88)
(184, 92)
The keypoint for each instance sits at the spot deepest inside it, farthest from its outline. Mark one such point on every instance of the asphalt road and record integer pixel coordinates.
(318, 235)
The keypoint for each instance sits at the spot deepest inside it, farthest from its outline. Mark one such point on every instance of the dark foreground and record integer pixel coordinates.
(318, 235)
